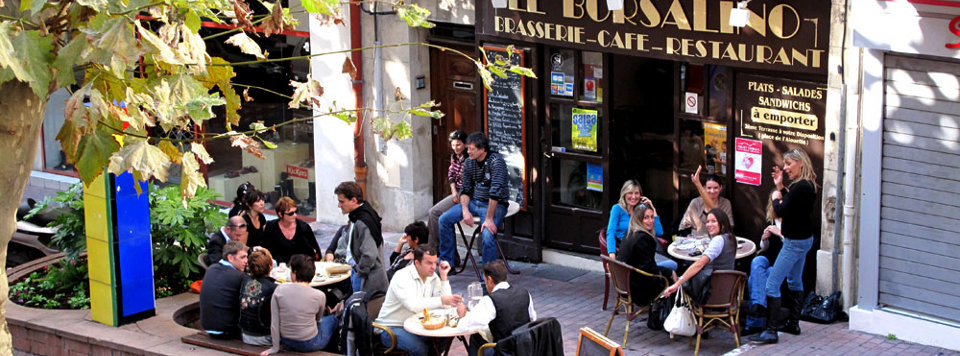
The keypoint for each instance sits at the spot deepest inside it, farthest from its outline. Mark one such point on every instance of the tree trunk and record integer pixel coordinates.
(21, 116)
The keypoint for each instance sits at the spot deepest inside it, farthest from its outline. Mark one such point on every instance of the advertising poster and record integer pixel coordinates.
(584, 131)
(594, 177)
(749, 158)
(715, 145)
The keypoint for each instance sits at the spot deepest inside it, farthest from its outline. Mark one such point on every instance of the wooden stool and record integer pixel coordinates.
(512, 209)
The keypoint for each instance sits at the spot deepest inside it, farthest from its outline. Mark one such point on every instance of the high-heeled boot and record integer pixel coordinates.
(794, 304)
(769, 335)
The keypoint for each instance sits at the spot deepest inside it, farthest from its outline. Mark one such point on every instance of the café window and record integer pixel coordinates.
(703, 117)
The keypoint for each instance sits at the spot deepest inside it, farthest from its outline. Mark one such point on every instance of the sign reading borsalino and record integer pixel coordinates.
(780, 35)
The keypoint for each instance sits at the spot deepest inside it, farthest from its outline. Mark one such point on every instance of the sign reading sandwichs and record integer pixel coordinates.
(779, 35)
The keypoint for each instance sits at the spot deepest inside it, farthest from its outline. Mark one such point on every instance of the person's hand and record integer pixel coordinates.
(671, 289)
(696, 176)
(467, 218)
(451, 300)
(265, 352)
(770, 230)
(646, 201)
(336, 308)
(777, 177)
(613, 255)
(444, 268)
(776, 195)
(461, 310)
(456, 197)
(489, 225)
(328, 257)
(766, 233)
(403, 240)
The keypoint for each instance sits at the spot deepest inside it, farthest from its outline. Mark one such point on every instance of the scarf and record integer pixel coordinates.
(370, 218)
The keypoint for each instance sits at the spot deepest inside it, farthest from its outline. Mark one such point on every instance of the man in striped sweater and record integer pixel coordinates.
(484, 192)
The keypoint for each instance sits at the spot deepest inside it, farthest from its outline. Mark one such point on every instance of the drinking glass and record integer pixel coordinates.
(474, 293)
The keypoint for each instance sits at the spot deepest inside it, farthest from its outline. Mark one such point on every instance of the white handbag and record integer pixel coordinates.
(681, 320)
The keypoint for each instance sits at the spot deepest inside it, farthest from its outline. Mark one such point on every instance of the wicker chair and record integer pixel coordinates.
(606, 270)
(723, 307)
(620, 274)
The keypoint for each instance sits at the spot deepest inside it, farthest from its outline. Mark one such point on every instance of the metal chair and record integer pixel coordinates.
(723, 307)
(512, 209)
(620, 274)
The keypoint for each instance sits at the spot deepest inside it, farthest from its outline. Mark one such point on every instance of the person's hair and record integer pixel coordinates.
(284, 204)
(496, 270)
(418, 231)
(252, 196)
(478, 140)
(302, 267)
(422, 250)
(242, 190)
(806, 169)
(628, 186)
(713, 178)
(771, 215)
(349, 190)
(722, 219)
(232, 247)
(457, 135)
(234, 220)
(259, 263)
(636, 219)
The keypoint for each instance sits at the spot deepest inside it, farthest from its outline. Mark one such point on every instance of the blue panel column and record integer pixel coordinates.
(132, 249)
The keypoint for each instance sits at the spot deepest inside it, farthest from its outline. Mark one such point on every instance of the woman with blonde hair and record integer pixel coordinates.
(631, 195)
(638, 250)
(794, 204)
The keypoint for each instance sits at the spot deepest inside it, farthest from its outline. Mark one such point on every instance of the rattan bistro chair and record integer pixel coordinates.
(723, 307)
(606, 270)
(620, 274)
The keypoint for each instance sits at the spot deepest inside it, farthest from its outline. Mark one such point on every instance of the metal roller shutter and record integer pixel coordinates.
(920, 192)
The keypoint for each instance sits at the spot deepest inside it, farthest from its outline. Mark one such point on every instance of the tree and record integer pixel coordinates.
(149, 55)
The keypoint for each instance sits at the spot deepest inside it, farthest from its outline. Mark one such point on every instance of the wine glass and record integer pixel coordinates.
(474, 293)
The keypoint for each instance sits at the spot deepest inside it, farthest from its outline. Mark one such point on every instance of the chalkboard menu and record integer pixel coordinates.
(505, 116)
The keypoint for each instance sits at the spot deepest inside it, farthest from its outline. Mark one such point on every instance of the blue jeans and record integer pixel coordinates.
(448, 238)
(414, 345)
(355, 281)
(757, 284)
(325, 329)
(789, 266)
(668, 264)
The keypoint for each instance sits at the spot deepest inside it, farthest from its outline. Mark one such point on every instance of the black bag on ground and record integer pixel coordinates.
(823, 310)
(658, 312)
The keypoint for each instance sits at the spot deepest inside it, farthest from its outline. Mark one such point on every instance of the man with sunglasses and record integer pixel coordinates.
(235, 230)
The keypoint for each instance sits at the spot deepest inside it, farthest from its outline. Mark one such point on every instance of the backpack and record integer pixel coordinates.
(356, 327)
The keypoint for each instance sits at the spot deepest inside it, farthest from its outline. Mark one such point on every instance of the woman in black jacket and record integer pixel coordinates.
(638, 249)
(793, 204)
(255, 293)
(288, 236)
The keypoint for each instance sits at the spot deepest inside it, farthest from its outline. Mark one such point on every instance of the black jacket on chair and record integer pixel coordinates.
(541, 337)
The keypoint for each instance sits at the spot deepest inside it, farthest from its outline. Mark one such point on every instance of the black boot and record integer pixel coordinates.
(769, 336)
(794, 303)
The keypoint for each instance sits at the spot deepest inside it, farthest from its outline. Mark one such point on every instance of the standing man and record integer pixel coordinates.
(362, 244)
(220, 295)
(504, 309)
(484, 192)
(414, 288)
(235, 230)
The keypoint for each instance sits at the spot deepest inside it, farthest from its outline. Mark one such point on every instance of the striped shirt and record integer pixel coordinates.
(454, 174)
(486, 179)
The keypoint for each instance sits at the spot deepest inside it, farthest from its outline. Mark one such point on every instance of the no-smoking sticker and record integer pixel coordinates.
(690, 103)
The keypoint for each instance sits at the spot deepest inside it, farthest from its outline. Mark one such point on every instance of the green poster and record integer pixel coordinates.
(584, 129)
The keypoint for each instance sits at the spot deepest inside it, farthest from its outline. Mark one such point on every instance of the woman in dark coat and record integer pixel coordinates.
(288, 236)
(253, 216)
(255, 293)
(638, 249)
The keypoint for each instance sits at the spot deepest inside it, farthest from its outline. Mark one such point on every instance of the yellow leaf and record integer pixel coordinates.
(193, 50)
(171, 150)
(309, 91)
(139, 155)
(190, 177)
(201, 152)
(246, 44)
(248, 144)
(162, 51)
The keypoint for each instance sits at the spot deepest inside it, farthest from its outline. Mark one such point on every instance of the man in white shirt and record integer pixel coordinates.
(503, 310)
(413, 289)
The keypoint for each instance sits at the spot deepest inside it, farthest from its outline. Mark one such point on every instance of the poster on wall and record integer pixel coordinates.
(749, 157)
(594, 177)
(715, 146)
(776, 115)
(584, 131)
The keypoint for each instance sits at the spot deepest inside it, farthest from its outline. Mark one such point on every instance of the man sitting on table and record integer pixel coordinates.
(413, 289)
(503, 310)
(235, 230)
(220, 295)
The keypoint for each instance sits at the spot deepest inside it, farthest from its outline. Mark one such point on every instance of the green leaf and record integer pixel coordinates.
(498, 71)
(95, 152)
(325, 7)
(115, 45)
(246, 44)
(192, 20)
(414, 15)
(143, 157)
(347, 117)
(220, 76)
(68, 58)
(420, 112)
(96, 5)
(269, 144)
(200, 108)
(486, 76)
(524, 71)
(29, 57)
(402, 130)
(382, 127)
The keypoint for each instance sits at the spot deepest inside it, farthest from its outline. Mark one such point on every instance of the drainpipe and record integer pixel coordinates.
(849, 193)
(359, 165)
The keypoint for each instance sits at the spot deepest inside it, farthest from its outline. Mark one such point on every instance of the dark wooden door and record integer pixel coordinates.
(453, 83)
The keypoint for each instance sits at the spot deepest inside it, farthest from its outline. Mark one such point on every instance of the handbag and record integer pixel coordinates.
(823, 310)
(658, 312)
(681, 320)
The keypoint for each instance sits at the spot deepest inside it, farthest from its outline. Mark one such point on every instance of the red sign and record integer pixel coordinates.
(748, 161)
(298, 172)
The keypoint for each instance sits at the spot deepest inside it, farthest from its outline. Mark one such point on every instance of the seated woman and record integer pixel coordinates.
(253, 216)
(288, 235)
(413, 234)
(770, 243)
(719, 255)
(638, 250)
(256, 291)
(630, 196)
(238, 205)
(695, 217)
(297, 320)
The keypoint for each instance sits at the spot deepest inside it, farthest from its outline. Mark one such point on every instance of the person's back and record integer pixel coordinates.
(299, 310)
(512, 306)
(220, 299)
(255, 295)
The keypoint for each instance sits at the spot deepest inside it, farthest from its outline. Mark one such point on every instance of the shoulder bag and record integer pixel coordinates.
(681, 320)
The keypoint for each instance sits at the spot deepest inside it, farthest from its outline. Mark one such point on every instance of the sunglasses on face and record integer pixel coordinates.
(290, 213)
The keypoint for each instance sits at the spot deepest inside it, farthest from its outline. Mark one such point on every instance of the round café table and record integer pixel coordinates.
(680, 250)
(441, 339)
(322, 278)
